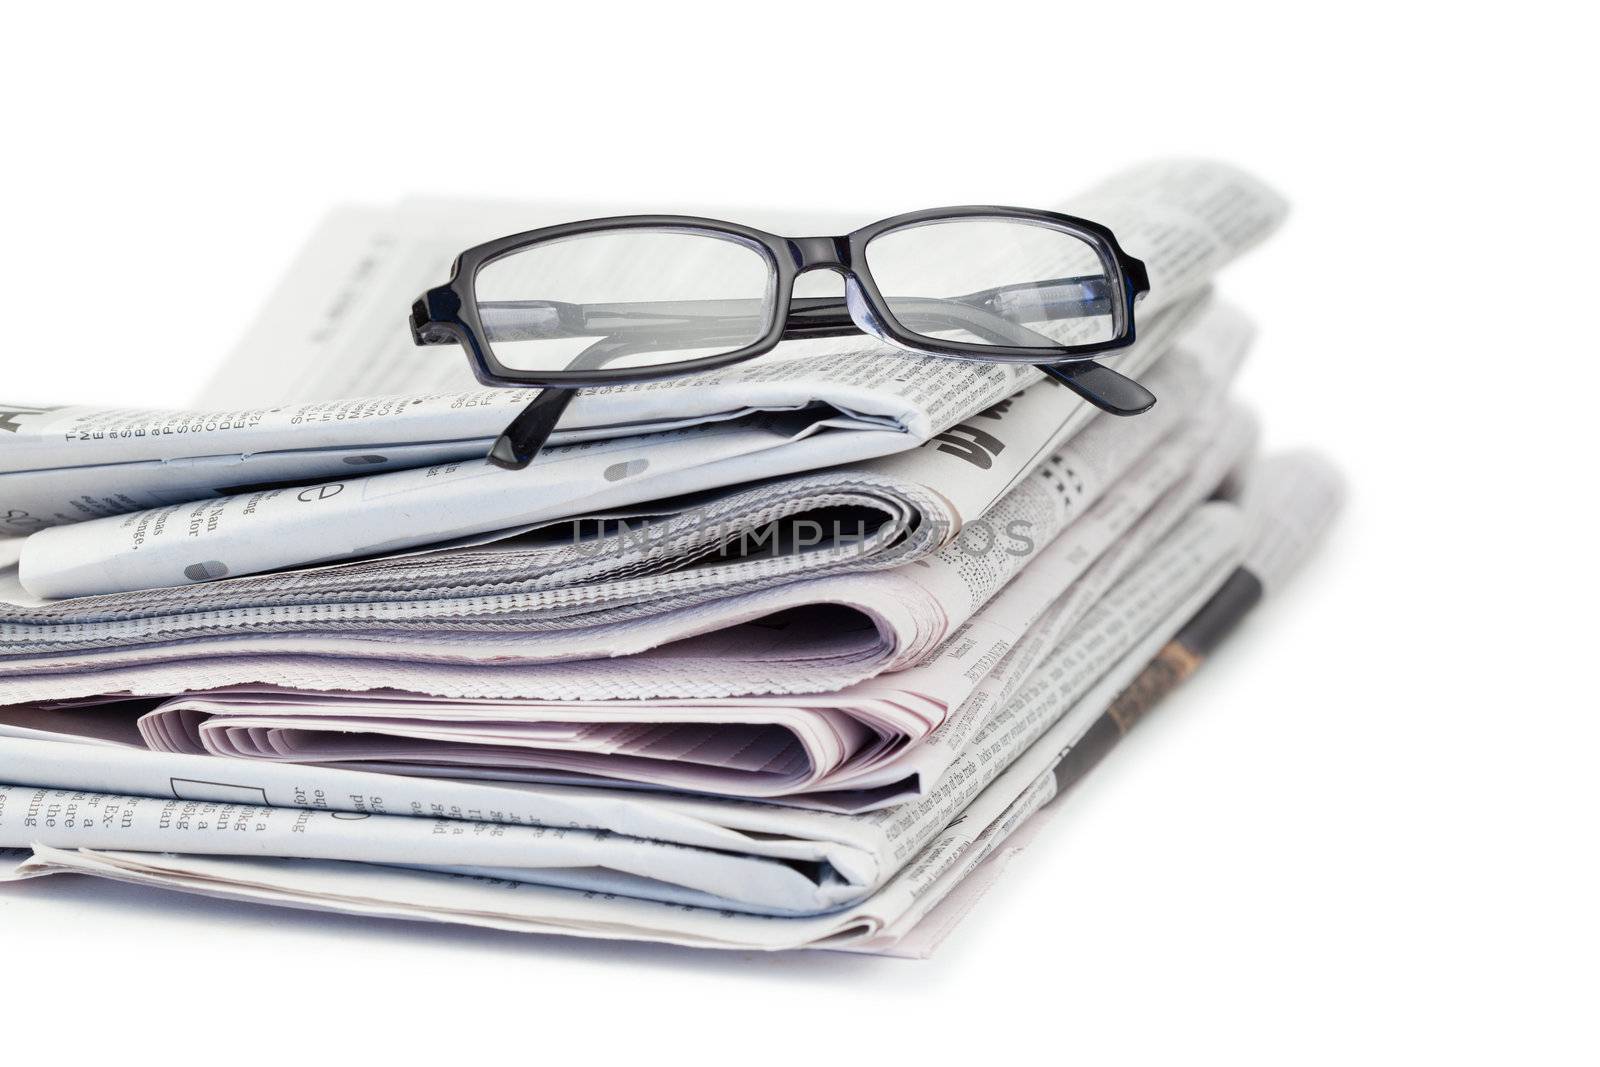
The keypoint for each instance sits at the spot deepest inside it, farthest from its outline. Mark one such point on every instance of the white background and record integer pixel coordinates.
(1367, 829)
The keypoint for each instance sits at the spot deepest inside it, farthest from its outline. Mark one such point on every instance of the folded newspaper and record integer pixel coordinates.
(779, 656)
(229, 492)
(621, 864)
(873, 515)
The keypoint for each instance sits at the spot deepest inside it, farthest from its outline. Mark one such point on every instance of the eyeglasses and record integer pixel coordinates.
(641, 297)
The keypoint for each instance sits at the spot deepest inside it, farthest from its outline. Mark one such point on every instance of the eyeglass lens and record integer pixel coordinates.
(625, 299)
(995, 281)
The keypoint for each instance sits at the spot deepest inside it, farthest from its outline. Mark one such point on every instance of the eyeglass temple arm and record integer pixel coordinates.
(520, 442)
(1111, 392)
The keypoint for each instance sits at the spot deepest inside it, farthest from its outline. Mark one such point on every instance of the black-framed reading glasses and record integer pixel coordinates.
(642, 297)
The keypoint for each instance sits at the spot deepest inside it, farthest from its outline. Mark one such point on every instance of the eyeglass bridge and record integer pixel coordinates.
(813, 253)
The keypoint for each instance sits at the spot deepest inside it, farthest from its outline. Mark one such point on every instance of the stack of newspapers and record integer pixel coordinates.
(784, 655)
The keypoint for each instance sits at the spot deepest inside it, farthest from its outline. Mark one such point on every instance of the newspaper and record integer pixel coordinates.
(806, 406)
(813, 741)
(913, 866)
(881, 513)
(774, 746)
(1291, 500)
(917, 610)
(208, 806)
(839, 628)
(862, 746)
(274, 527)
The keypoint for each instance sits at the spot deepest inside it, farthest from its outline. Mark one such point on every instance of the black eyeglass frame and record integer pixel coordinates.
(448, 314)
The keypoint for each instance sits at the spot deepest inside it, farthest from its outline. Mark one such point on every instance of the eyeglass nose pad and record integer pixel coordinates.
(861, 313)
